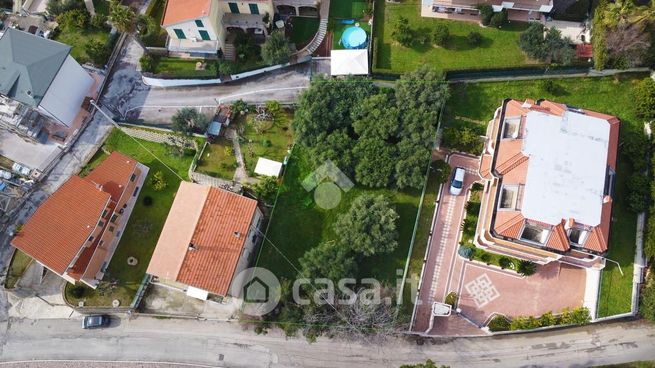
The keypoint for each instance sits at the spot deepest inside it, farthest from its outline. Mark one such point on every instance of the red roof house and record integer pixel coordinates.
(75, 231)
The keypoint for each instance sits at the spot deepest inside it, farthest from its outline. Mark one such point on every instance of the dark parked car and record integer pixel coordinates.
(96, 321)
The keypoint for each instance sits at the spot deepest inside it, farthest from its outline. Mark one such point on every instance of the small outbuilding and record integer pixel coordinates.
(349, 62)
(268, 167)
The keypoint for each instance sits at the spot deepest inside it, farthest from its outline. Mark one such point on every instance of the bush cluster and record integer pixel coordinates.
(576, 316)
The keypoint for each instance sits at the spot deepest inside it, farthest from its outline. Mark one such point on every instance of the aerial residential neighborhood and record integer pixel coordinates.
(331, 183)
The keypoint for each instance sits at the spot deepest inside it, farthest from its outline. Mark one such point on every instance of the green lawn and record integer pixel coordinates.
(474, 104)
(145, 224)
(498, 49)
(303, 30)
(297, 225)
(616, 289)
(19, 263)
(217, 160)
(272, 143)
(347, 9)
(184, 68)
(337, 32)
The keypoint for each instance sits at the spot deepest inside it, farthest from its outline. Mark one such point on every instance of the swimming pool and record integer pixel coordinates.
(354, 38)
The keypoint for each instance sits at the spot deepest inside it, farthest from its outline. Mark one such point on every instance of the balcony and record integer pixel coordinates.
(192, 46)
(248, 22)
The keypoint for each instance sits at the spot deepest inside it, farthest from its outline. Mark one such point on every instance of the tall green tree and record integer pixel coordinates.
(187, 120)
(402, 32)
(328, 260)
(369, 227)
(276, 49)
(411, 165)
(338, 148)
(375, 162)
(122, 17)
(376, 117)
(327, 105)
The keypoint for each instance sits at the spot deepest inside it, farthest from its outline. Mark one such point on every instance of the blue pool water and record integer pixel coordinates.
(354, 38)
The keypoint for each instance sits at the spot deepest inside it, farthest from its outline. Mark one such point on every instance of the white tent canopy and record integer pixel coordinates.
(345, 62)
(268, 167)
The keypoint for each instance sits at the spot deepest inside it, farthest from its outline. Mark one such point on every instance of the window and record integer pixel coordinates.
(578, 236)
(204, 35)
(534, 233)
(511, 127)
(133, 177)
(104, 213)
(254, 9)
(101, 223)
(111, 229)
(199, 23)
(91, 238)
(179, 34)
(610, 178)
(508, 196)
(234, 8)
(136, 190)
(113, 218)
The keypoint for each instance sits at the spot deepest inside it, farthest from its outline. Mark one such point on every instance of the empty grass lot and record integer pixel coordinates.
(142, 231)
(217, 160)
(19, 263)
(297, 225)
(474, 104)
(303, 30)
(499, 47)
(184, 68)
(272, 143)
(347, 9)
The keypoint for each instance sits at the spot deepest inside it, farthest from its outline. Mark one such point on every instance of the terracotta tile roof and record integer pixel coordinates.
(511, 227)
(178, 229)
(485, 166)
(558, 239)
(113, 174)
(218, 237)
(62, 224)
(596, 241)
(511, 163)
(178, 11)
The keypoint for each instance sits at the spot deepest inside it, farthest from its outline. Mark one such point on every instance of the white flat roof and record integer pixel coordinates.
(347, 62)
(268, 167)
(567, 167)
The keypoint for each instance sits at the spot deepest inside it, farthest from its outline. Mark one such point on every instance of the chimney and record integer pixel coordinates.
(237, 234)
(192, 247)
(607, 199)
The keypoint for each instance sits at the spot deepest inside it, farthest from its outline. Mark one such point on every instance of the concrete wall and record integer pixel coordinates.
(64, 97)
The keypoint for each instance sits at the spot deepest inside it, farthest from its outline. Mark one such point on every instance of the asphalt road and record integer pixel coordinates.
(228, 345)
(128, 98)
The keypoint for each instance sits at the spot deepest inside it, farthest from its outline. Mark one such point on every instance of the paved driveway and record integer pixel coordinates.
(442, 254)
(483, 290)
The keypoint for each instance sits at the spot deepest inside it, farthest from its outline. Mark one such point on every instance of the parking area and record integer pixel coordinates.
(484, 290)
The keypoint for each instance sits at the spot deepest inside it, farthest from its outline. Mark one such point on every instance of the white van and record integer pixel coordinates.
(457, 182)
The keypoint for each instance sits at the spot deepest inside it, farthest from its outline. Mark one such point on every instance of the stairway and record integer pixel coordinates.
(229, 52)
(324, 12)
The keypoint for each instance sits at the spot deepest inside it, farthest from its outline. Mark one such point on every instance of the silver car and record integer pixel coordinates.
(457, 182)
